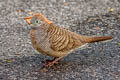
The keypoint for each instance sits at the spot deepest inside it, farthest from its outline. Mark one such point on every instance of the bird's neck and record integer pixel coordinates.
(35, 28)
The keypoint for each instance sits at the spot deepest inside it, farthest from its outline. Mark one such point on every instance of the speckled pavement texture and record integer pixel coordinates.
(99, 61)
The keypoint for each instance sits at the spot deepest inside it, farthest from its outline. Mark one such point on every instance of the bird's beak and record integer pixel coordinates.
(28, 19)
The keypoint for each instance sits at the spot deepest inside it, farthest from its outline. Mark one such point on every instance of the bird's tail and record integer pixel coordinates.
(91, 39)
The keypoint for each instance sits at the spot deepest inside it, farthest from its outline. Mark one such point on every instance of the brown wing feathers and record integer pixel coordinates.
(59, 39)
(62, 39)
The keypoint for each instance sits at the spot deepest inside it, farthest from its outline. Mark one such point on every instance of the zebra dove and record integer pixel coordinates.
(52, 40)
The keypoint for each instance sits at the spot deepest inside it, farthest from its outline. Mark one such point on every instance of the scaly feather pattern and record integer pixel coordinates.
(62, 39)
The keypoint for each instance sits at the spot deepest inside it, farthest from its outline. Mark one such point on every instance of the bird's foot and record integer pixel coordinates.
(50, 63)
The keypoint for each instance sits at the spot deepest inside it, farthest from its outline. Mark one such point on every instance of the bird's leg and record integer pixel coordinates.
(50, 63)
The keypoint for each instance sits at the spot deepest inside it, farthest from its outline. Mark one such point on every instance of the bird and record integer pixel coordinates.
(52, 40)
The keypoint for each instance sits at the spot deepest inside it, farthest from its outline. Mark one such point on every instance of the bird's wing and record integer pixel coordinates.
(62, 39)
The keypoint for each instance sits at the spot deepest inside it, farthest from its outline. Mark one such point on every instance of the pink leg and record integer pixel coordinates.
(52, 62)
(49, 63)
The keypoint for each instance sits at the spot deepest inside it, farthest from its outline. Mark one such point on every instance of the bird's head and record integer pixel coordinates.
(37, 19)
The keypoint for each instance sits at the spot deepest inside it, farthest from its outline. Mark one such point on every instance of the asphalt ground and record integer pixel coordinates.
(99, 61)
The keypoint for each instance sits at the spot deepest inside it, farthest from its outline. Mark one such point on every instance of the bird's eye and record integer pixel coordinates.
(37, 21)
